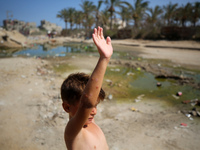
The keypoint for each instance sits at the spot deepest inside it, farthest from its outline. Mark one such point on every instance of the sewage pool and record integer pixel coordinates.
(124, 85)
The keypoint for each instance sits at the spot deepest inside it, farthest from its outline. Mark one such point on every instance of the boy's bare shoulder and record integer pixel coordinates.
(90, 137)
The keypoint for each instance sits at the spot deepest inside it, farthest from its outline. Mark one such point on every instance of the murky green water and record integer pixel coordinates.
(127, 83)
(133, 83)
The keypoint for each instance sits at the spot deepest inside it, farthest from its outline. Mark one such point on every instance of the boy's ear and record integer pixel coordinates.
(66, 106)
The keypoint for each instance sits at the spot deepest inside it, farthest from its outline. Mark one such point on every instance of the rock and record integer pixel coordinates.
(12, 39)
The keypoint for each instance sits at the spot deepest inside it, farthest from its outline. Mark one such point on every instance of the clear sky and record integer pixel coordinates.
(37, 10)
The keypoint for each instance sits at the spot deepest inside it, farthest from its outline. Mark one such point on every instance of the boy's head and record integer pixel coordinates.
(73, 87)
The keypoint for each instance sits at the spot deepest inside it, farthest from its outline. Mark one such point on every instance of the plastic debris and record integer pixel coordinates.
(193, 102)
(159, 65)
(115, 70)
(138, 68)
(179, 93)
(139, 98)
(108, 80)
(110, 96)
(134, 109)
(189, 116)
(176, 97)
(110, 83)
(130, 74)
(159, 84)
(198, 113)
(183, 124)
(23, 76)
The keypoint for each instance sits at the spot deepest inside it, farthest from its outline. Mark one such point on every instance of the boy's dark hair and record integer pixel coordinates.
(73, 87)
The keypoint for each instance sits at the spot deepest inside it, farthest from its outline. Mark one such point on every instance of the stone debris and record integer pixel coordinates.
(12, 39)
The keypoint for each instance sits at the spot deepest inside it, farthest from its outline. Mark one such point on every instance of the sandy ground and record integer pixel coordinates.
(32, 117)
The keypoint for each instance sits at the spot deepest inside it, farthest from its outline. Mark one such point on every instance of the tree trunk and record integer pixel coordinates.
(97, 17)
(66, 25)
(111, 20)
(136, 22)
(71, 25)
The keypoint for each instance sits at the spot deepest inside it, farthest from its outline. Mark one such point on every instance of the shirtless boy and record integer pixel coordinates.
(81, 94)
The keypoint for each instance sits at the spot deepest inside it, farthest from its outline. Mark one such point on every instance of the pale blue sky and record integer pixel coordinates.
(37, 10)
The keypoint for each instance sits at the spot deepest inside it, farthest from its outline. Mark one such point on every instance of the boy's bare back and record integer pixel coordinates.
(81, 132)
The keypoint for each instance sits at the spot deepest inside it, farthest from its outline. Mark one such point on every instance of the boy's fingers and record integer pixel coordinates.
(101, 33)
(95, 31)
(108, 40)
(98, 31)
(94, 38)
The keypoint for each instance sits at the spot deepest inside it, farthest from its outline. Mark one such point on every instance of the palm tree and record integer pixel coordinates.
(195, 15)
(183, 14)
(63, 14)
(105, 15)
(98, 13)
(125, 14)
(111, 5)
(170, 11)
(88, 8)
(90, 22)
(78, 18)
(71, 13)
(138, 10)
(152, 18)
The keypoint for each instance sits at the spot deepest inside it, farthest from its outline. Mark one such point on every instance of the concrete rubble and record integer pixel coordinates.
(12, 39)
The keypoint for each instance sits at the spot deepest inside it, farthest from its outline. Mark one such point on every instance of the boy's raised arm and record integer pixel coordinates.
(91, 92)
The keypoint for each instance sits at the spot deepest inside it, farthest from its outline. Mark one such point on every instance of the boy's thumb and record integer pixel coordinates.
(108, 40)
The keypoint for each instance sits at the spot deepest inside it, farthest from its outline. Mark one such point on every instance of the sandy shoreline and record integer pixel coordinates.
(32, 117)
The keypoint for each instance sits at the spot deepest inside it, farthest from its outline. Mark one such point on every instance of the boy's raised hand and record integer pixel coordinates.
(104, 46)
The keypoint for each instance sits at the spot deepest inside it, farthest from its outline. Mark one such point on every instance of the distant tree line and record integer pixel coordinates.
(140, 19)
